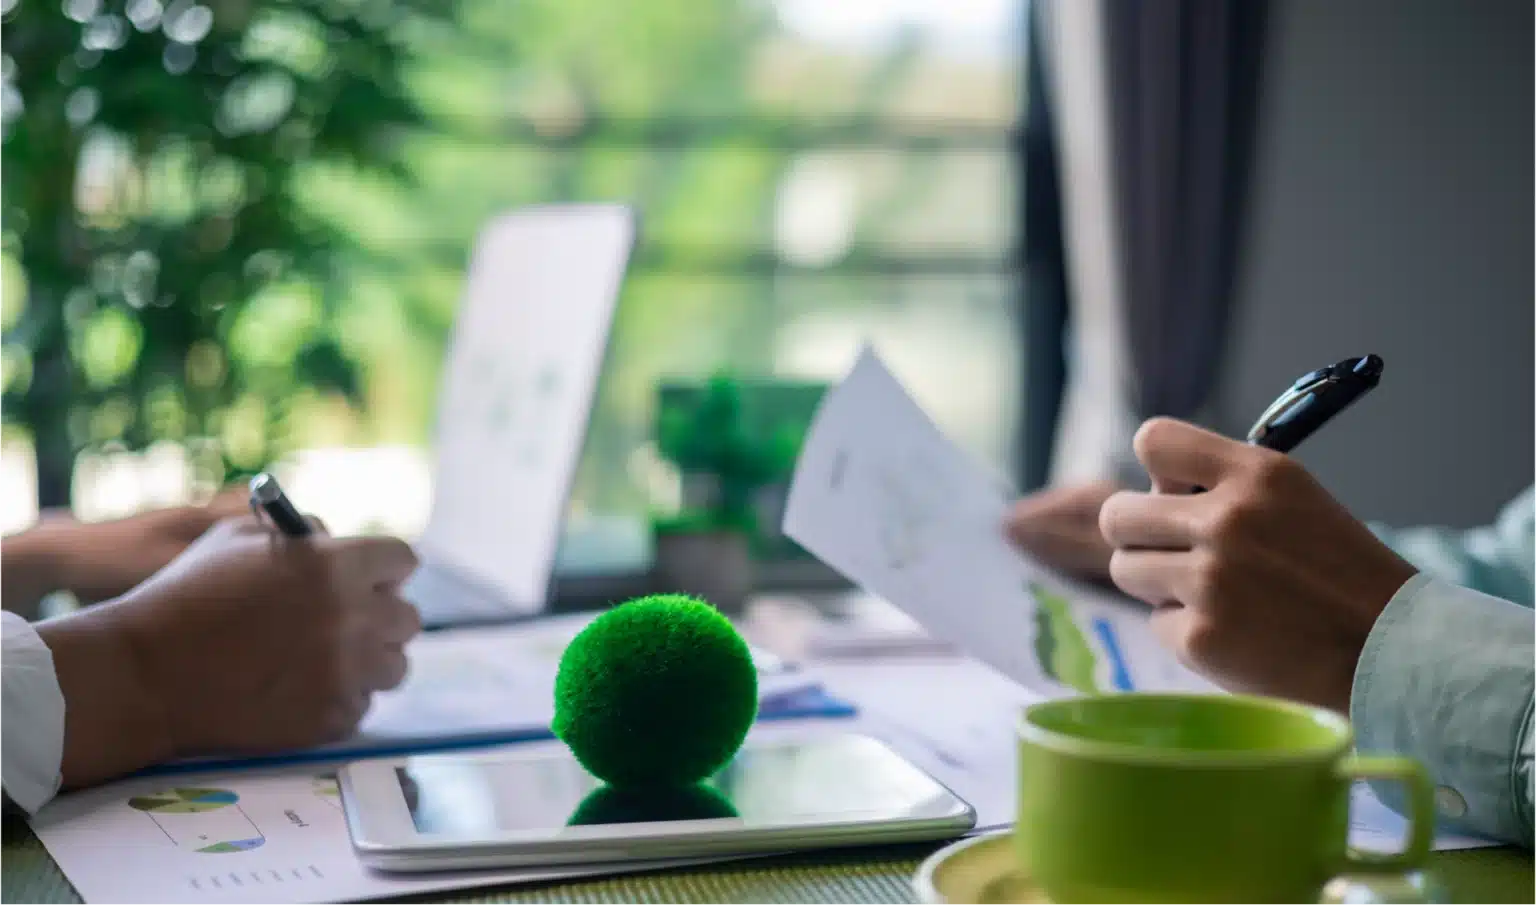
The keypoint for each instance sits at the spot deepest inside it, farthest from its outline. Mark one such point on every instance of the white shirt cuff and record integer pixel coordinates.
(32, 738)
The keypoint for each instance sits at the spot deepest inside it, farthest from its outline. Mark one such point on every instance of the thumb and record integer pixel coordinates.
(1179, 456)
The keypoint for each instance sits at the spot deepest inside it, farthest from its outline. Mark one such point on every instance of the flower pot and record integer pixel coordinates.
(715, 565)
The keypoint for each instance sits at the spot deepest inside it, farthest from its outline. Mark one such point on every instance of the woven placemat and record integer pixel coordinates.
(28, 874)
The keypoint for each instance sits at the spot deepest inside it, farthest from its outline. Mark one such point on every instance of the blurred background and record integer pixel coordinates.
(235, 231)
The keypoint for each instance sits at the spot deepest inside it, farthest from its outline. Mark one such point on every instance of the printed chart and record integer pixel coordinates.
(209, 821)
(328, 790)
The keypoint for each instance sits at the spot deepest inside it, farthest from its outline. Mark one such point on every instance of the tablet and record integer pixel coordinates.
(536, 806)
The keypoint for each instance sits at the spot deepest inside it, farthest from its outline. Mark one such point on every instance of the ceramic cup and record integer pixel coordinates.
(1197, 798)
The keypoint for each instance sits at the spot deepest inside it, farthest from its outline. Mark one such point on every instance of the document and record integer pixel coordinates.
(881, 495)
(230, 837)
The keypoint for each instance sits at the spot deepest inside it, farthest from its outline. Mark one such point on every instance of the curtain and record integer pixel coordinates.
(1043, 312)
(1183, 82)
(1155, 103)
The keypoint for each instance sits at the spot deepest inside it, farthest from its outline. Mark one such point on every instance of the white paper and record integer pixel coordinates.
(518, 383)
(246, 836)
(950, 716)
(886, 499)
(883, 497)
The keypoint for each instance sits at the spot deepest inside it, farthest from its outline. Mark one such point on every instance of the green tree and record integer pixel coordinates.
(176, 284)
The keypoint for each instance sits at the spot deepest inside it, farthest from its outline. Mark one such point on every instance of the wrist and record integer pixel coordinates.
(114, 719)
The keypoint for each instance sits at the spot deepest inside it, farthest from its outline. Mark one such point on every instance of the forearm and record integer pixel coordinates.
(1447, 677)
(31, 567)
(112, 723)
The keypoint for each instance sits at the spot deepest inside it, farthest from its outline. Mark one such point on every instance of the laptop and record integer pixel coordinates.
(519, 380)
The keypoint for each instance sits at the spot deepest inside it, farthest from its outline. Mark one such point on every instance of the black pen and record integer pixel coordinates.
(1313, 400)
(268, 497)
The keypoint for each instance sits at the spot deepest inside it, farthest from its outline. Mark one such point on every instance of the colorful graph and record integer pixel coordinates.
(328, 791)
(1120, 674)
(1061, 650)
(205, 820)
(184, 801)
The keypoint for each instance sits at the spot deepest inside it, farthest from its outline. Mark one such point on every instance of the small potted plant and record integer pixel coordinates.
(705, 549)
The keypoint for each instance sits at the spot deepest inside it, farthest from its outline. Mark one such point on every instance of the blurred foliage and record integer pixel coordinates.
(218, 215)
(176, 283)
(242, 226)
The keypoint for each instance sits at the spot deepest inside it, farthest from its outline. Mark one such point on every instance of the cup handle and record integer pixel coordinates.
(1421, 811)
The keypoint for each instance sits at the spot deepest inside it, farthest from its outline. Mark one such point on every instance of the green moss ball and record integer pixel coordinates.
(659, 691)
(607, 804)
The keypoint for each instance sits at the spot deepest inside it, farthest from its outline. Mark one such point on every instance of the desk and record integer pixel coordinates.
(28, 874)
(879, 874)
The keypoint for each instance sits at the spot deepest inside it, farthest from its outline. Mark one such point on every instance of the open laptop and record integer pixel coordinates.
(518, 385)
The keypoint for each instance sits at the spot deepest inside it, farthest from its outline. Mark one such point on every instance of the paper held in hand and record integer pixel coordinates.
(881, 495)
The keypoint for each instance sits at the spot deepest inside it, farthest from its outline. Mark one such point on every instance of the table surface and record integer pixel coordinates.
(880, 874)
(883, 874)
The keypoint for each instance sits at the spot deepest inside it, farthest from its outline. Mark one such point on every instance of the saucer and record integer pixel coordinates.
(981, 869)
(985, 869)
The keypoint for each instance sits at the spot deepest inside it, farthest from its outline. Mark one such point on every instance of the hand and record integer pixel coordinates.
(102, 560)
(1060, 527)
(1264, 583)
(246, 643)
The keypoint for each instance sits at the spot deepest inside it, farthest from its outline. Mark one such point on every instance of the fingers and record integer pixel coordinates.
(383, 562)
(1179, 455)
(387, 669)
(1060, 527)
(397, 620)
(1152, 521)
(1153, 576)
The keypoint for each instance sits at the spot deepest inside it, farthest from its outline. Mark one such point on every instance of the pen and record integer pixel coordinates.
(267, 496)
(1311, 401)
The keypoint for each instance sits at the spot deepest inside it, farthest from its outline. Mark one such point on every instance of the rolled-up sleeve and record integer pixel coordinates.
(32, 706)
(1446, 677)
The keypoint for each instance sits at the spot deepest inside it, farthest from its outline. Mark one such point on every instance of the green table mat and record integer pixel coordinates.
(28, 874)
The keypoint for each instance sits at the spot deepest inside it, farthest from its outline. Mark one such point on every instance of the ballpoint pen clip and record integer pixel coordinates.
(1288, 400)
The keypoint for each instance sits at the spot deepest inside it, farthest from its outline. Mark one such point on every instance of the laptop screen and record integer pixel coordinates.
(518, 385)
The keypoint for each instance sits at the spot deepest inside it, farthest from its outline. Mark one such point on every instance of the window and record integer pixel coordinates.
(811, 175)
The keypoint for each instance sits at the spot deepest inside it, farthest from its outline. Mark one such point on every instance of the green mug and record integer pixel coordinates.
(1197, 798)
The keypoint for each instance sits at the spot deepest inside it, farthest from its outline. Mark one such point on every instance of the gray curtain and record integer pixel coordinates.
(1182, 78)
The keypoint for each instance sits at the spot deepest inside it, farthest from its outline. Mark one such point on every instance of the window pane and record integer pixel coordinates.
(949, 339)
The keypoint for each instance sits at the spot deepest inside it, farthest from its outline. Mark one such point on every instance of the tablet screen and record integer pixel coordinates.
(766, 785)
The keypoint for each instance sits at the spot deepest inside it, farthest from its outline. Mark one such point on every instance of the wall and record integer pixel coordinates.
(1392, 214)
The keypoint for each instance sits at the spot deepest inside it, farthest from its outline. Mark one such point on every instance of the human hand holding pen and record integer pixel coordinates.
(1060, 525)
(1260, 579)
(1265, 583)
(249, 642)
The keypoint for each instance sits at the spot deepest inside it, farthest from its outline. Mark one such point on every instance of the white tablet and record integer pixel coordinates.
(536, 806)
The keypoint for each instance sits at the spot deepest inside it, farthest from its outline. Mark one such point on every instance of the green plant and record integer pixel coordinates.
(167, 277)
(710, 441)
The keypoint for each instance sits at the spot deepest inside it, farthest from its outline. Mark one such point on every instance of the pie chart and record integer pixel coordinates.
(183, 801)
